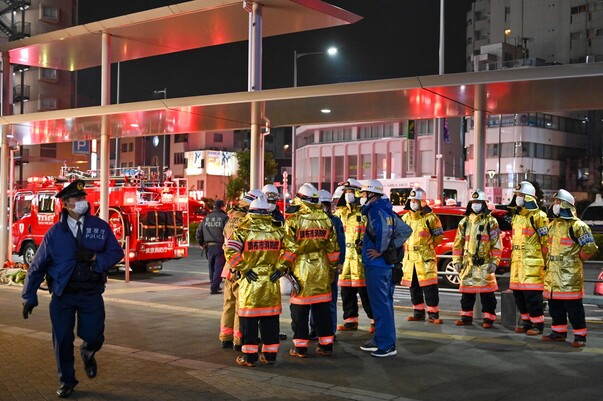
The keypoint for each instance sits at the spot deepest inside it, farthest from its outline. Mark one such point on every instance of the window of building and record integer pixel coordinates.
(48, 150)
(578, 9)
(48, 74)
(353, 165)
(131, 147)
(576, 35)
(48, 103)
(179, 158)
(179, 138)
(49, 13)
(200, 184)
(218, 137)
(424, 127)
(124, 148)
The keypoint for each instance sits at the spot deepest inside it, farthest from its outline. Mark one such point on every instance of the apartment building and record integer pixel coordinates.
(554, 149)
(40, 89)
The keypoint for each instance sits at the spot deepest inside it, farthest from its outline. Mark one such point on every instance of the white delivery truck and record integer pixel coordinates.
(397, 189)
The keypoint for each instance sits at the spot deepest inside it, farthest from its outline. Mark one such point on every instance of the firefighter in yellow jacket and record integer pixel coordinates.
(230, 334)
(351, 279)
(530, 237)
(571, 243)
(419, 264)
(254, 250)
(475, 255)
(311, 253)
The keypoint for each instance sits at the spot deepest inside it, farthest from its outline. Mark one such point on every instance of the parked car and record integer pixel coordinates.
(450, 216)
(593, 215)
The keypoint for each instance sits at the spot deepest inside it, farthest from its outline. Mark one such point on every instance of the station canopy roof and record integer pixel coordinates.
(544, 89)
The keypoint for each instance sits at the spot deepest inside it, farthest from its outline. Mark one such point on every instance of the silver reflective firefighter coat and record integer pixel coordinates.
(354, 224)
(570, 243)
(256, 244)
(419, 249)
(311, 252)
(476, 245)
(530, 239)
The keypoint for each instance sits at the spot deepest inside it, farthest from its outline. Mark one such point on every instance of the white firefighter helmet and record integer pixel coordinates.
(324, 196)
(526, 188)
(259, 206)
(352, 184)
(478, 195)
(308, 193)
(418, 194)
(253, 194)
(373, 186)
(450, 202)
(270, 191)
(338, 192)
(565, 196)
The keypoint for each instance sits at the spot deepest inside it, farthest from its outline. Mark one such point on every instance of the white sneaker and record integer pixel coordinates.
(384, 353)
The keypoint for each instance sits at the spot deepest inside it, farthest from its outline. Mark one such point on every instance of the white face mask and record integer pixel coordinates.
(519, 200)
(556, 209)
(476, 207)
(363, 201)
(80, 207)
(350, 197)
(415, 205)
(271, 207)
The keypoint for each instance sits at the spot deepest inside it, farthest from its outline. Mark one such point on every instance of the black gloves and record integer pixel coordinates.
(83, 255)
(27, 308)
(250, 275)
(275, 276)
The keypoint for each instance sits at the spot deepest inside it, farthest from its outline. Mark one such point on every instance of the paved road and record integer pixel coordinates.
(162, 345)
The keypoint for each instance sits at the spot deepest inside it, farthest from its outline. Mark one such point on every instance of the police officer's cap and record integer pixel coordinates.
(74, 189)
(219, 204)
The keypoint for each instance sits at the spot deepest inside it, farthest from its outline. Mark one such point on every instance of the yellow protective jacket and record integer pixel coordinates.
(477, 229)
(354, 225)
(311, 252)
(568, 249)
(530, 238)
(235, 215)
(419, 249)
(256, 244)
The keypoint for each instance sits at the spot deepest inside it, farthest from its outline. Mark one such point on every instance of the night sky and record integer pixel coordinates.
(396, 38)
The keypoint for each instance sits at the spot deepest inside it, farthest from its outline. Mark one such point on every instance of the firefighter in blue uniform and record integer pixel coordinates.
(74, 256)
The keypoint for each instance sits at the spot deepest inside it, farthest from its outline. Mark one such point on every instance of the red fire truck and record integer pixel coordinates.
(149, 218)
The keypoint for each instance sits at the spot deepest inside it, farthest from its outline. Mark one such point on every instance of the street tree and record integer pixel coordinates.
(239, 185)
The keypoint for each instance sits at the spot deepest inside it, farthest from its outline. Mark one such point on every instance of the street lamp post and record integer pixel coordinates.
(331, 51)
(164, 93)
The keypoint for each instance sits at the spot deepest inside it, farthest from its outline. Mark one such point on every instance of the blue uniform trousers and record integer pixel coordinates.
(217, 260)
(380, 287)
(90, 310)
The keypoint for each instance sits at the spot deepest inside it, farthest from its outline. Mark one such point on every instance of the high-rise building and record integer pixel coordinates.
(559, 149)
(40, 89)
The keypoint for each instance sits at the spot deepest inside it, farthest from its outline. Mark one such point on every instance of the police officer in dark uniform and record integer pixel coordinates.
(210, 235)
(74, 256)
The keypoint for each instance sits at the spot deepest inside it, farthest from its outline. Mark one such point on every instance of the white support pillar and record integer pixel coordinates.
(104, 139)
(479, 138)
(5, 247)
(256, 160)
